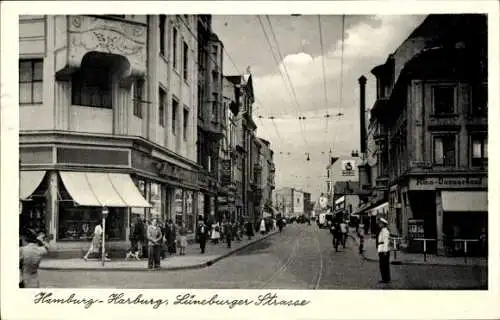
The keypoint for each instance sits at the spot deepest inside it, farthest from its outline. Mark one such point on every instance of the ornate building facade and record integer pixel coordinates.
(108, 114)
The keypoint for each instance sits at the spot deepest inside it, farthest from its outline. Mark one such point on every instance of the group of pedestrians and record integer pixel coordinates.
(339, 230)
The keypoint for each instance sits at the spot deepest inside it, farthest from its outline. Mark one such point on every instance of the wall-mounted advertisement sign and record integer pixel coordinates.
(348, 167)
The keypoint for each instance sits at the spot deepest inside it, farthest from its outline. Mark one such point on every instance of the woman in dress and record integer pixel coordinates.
(182, 240)
(215, 232)
(30, 257)
(95, 245)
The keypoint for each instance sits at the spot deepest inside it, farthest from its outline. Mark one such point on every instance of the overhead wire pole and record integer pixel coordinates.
(285, 69)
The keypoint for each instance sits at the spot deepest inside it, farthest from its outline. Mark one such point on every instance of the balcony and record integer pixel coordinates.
(80, 35)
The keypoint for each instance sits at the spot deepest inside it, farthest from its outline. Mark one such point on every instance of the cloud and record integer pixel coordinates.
(366, 42)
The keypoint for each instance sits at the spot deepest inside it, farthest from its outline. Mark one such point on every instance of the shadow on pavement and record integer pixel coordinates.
(260, 247)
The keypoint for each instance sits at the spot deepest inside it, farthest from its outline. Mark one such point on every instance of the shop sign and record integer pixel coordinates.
(431, 183)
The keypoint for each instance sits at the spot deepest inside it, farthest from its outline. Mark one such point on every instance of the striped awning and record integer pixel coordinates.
(98, 189)
(29, 181)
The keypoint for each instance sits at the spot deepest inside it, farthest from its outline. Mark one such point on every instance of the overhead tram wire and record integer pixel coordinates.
(277, 61)
(285, 69)
(341, 80)
(324, 76)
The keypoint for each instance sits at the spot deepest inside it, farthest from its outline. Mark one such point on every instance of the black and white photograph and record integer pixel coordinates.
(272, 151)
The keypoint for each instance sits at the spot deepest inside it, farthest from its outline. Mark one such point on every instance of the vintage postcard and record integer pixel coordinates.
(207, 160)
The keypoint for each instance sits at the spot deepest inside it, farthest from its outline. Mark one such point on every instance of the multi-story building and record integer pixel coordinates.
(433, 130)
(290, 202)
(245, 146)
(308, 205)
(210, 114)
(108, 113)
(267, 176)
(229, 173)
(238, 152)
(340, 169)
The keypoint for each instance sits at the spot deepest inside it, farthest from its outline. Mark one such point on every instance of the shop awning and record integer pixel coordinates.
(97, 189)
(29, 181)
(379, 209)
(460, 201)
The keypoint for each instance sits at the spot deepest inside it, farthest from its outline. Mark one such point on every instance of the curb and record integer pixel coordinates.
(177, 268)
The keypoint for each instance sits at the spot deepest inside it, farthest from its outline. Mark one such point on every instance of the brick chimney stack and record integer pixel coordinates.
(362, 113)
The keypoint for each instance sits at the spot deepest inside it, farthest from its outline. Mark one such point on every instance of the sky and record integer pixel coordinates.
(368, 40)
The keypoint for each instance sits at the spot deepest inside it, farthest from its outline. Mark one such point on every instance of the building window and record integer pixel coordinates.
(185, 61)
(174, 47)
(138, 97)
(30, 81)
(163, 19)
(161, 107)
(215, 105)
(479, 105)
(444, 100)
(201, 93)
(175, 106)
(479, 151)
(91, 86)
(445, 151)
(185, 123)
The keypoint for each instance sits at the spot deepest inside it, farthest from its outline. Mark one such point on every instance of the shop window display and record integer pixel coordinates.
(189, 211)
(78, 223)
(179, 207)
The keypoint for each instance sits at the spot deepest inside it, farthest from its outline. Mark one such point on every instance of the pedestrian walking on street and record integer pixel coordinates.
(215, 235)
(343, 230)
(202, 235)
(171, 237)
(228, 232)
(262, 227)
(95, 244)
(361, 235)
(30, 257)
(182, 240)
(280, 224)
(138, 235)
(249, 229)
(154, 243)
(383, 251)
(337, 235)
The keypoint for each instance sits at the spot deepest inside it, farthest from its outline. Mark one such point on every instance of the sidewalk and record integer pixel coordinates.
(370, 254)
(192, 260)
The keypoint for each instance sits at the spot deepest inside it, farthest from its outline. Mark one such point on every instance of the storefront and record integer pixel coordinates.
(449, 209)
(33, 200)
(64, 187)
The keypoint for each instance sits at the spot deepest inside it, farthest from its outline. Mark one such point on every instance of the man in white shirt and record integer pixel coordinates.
(383, 250)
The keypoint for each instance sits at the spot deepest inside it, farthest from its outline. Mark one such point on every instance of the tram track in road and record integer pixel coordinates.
(269, 281)
(320, 271)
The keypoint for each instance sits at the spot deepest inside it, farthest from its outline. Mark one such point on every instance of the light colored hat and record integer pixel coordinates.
(383, 221)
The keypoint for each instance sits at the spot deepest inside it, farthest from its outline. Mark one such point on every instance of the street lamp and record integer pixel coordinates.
(105, 212)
